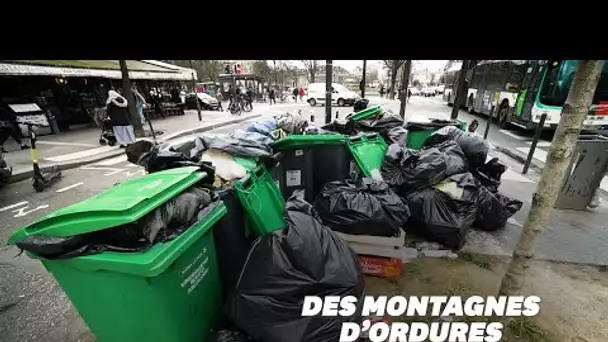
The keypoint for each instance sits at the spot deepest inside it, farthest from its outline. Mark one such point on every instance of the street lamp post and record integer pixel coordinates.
(198, 105)
(363, 78)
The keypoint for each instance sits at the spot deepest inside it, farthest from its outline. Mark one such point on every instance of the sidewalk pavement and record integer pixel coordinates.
(81, 146)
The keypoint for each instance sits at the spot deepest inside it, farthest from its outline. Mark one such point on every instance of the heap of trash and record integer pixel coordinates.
(294, 210)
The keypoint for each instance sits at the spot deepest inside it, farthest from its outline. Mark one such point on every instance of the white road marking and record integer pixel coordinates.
(540, 143)
(70, 187)
(13, 206)
(114, 172)
(512, 135)
(131, 174)
(99, 168)
(603, 184)
(81, 154)
(62, 143)
(538, 153)
(23, 212)
(112, 161)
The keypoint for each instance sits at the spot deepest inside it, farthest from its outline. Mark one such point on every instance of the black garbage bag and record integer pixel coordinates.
(162, 157)
(238, 143)
(360, 105)
(340, 126)
(137, 149)
(396, 135)
(162, 224)
(440, 217)
(408, 169)
(304, 259)
(474, 147)
(365, 207)
(383, 125)
(493, 209)
(490, 173)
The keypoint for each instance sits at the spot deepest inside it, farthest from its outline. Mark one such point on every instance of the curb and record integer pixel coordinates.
(23, 174)
(519, 157)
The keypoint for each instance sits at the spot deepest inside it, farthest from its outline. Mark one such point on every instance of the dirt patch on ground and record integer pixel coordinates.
(574, 297)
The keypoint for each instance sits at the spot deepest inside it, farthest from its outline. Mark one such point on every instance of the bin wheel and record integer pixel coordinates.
(341, 102)
(312, 102)
(38, 184)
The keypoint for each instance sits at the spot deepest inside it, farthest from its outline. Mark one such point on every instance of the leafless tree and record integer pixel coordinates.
(312, 67)
(393, 66)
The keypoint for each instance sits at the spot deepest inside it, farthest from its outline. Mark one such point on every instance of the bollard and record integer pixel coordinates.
(539, 130)
(312, 116)
(337, 114)
(299, 111)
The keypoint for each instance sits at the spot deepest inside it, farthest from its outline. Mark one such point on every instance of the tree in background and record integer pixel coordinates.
(262, 69)
(460, 85)
(416, 83)
(571, 121)
(393, 66)
(312, 67)
(206, 70)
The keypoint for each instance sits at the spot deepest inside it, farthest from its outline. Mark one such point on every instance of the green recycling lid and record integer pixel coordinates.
(121, 204)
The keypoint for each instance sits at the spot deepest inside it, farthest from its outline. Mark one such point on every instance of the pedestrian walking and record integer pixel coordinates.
(381, 91)
(249, 98)
(295, 94)
(409, 94)
(271, 96)
(301, 93)
(140, 103)
(116, 107)
(10, 127)
(220, 98)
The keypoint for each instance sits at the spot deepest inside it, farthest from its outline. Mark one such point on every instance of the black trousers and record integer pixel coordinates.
(12, 131)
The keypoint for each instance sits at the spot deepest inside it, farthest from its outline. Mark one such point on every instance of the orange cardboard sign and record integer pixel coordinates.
(381, 267)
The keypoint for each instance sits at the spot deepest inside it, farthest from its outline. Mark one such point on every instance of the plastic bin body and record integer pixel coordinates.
(231, 238)
(417, 135)
(262, 202)
(587, 168)
(310, 161)
(168, 293)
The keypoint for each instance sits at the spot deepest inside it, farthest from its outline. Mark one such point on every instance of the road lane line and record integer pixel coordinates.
(98, 168)
(81, 154)
(70, 187)
(112, 161)
(114, 172)
(513, 135)
(20, 204)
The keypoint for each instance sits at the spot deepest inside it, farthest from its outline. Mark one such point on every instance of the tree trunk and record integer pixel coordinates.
(128, 93)
(460, 88)
(363, 81)
(405, 80)
(573, 115)
(394, 69)
(328, 89)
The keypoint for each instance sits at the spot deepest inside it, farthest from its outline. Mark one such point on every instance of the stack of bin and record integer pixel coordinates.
(170, 292)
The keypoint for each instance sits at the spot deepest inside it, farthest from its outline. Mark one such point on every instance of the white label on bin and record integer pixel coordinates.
(293, 177)
(196, 272)
(299, 153)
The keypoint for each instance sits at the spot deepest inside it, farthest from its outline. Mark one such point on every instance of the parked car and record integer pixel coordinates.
(439, 89)
(206, 101)
(415, 91)
(427, 92)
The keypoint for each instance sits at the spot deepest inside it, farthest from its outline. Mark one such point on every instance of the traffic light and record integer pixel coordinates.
(237, 69)
(227, 69)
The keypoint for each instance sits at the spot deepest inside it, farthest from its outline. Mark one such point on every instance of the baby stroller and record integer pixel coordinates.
(102, 121)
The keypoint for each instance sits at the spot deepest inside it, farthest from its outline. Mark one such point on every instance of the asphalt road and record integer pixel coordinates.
(32, 306)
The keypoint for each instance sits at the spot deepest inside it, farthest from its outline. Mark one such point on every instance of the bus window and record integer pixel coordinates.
(477, 77)
(558, 79)
(516, 75)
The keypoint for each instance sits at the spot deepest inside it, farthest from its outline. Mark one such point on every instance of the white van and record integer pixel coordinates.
(340, 96)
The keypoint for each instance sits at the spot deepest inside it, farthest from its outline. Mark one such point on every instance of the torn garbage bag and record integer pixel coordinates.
(474, 147)
(408, 170)
(490, 173)
(163, 157)
(365, 207)
(304, 259)
(493, 209)
(291, 123)
(390, 127)
(265, 128)
(162, 224)
(440, 217)
(239, 143)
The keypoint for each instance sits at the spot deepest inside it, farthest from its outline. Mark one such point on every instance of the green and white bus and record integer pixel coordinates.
(525, 89)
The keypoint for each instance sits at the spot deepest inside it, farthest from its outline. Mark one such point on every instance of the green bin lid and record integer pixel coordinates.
(368, 151)
(121, 204)
(364, 114)
(309, 140)
(154, 261)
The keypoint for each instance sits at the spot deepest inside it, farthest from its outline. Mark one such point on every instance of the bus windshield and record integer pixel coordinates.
(556, 85)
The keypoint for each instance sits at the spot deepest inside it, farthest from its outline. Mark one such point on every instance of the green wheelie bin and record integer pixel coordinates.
(167, 293)
(418, 132)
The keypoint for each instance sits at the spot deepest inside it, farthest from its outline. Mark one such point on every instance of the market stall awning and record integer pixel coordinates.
(138, 70)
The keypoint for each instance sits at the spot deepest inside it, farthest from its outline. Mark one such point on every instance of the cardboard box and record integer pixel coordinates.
(381, 267)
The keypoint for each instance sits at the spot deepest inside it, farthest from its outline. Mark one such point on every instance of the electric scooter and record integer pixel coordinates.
(40, 180)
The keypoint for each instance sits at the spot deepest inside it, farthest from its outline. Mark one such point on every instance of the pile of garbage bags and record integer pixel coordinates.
(306, 258)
